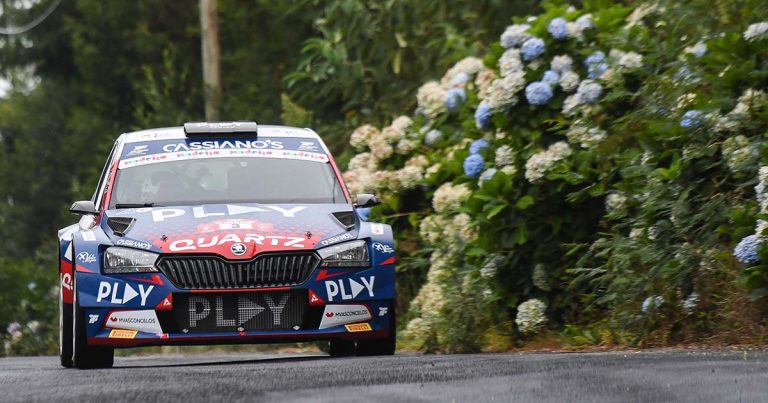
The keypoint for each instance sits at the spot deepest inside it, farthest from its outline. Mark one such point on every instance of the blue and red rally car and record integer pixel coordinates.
(220, 233)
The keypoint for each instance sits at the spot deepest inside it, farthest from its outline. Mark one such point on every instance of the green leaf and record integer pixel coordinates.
(524, 202)
(496, 210)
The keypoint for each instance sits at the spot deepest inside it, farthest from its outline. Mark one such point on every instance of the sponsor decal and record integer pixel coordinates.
(308, 146)
(138, 150)
(93, 319)
(358, 327)
(166, 304)
(110, 291)
(201, 307)
(86, 257)
(122, 334)
(162, 214)
(223, 145)
(142, 321)
(88, 236)
(216, 240)
(377, 229)
(383, 248)
(133, 244)
(315, 299)
(383, 310)
(233, 225)
(338, 238)
(335, 315)
(238, 249)
(225, 153)
(66, 281)
(348, 288)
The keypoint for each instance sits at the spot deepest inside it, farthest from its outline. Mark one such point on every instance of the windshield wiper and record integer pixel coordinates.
(136, 205)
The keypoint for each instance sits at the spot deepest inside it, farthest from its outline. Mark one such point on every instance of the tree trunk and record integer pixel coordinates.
(209, 32)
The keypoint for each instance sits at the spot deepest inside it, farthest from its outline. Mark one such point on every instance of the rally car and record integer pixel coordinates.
(223, 233)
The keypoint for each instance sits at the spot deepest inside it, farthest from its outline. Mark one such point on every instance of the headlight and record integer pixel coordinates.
(348, 254)
(126, 260)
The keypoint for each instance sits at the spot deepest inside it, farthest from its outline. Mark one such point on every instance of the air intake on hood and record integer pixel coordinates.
(345, 218)
(120, 225)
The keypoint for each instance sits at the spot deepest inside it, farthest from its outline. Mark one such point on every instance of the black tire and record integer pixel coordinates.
(341, 348)
(83, 355)
(65, 333)
(385, 346)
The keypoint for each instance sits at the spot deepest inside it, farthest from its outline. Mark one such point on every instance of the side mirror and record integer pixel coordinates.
(366, 200)
(84, 207)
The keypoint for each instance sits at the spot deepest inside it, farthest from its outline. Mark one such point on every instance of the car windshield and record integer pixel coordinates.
(226, 180)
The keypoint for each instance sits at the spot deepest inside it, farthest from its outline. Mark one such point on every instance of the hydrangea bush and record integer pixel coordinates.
(598, 164)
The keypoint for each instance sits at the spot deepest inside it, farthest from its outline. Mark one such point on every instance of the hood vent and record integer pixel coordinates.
(345, 218)
(120, 225)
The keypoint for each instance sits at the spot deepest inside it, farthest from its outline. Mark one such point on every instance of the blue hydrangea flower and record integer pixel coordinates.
(473, 165)
(538, 93)
(483, 116)
(477, 146)
(486, 175)
(551, 77)
(595, 64)
(589, 91)
(557, 28)
(691, 119)
(532, 48)
(432, 137)
(454, 98)
(460, 79)
(746, 251)
(364, 213)
(685, 75)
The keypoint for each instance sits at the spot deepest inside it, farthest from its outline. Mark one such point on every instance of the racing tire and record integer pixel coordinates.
(385, 346)
(83, 355)
(341, 348)
(65, 334)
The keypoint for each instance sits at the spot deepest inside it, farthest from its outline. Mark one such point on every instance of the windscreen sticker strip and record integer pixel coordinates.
(152, 152)
(202, 154)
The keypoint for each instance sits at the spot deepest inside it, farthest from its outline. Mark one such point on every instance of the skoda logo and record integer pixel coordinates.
(238, 249)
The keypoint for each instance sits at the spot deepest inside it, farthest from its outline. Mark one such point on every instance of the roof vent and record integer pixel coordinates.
(120, 225)
(345, 218)
(220, 128)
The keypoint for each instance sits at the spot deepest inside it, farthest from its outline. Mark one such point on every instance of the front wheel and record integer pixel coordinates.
(65, 333)
(385, 346)
(83, 355)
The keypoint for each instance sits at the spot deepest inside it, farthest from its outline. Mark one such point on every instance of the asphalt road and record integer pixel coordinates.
(656, 376)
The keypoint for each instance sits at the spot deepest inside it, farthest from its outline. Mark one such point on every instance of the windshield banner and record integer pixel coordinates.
(152, 152)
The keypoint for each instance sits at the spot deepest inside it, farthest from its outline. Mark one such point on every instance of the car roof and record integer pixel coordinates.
(172, 133)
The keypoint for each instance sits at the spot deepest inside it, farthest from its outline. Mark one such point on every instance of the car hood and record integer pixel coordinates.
(234, 231)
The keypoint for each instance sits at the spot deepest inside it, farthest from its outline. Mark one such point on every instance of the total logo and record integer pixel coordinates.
(111, 292)
(348, 289)
(216, 240)
(162, 214)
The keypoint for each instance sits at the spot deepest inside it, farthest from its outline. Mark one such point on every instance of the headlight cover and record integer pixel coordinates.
(126, 260)
(347, 254)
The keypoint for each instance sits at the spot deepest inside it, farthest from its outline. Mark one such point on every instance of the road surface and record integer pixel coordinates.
(666, 375)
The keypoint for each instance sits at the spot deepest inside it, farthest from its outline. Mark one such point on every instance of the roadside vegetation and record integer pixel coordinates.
(592, 175)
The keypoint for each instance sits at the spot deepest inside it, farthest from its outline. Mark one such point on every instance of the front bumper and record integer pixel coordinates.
(147, 309)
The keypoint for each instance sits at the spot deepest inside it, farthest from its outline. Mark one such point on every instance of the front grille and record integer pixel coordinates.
(240, 311)
(213, 272)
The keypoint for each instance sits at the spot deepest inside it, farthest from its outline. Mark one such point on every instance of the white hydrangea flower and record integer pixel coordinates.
(434, 169)
(752, 100)
(359, 180)
(380, 148)
(569, 81)
(467, 65)
(418, 329)
(361, 135)
(740, 154)
(402, 123)
(362, 160)
(515, 35)
(697, 50)
(449, 197)
(531, 316)
(690, 303)
(685, 101)
(574, 30)
(562, 63)
(462, 225)
(631, 60)
(540, 163)
(409, 176)
(431, 99)
(405, 146)
(419, 161)
(642, 11)
(503, 92)
(483, 82)
(510, 62)
(571, 103)
(584, 135)
(615, 202)
(652, 303)
(505, 155)
(33, 326)
(756, 31)
(509, 170)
